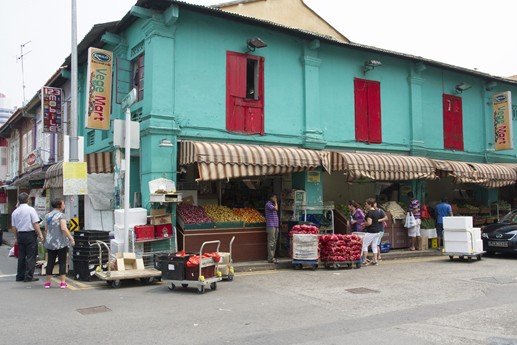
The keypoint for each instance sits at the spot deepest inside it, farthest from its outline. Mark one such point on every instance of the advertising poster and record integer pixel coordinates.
(98, 105)
(51, 98)
(503, 130)
(74, 178)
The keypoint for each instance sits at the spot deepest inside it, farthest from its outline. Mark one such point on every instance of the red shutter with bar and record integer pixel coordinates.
(361, 110)
(374, 112)
(368, 122)
(452, 123)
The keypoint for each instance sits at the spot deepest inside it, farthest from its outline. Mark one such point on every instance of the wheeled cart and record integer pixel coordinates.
(342, 264)
(206, 265)
(114, 278)
(226, 263)
(467, 256)
(298, 264)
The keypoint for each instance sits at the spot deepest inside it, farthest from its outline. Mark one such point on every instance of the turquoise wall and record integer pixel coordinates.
(309, 93)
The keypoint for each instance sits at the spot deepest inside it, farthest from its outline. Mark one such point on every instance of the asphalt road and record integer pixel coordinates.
(413, 301)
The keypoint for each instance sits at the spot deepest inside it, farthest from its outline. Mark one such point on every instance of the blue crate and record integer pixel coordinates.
(385, 247)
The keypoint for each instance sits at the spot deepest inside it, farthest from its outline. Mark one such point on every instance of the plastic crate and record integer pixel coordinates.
(85, 271)
(91, 235)
(385, 247)
(173, 267)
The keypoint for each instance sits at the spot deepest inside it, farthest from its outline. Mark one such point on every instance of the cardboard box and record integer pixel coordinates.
(423, 243)
(160, 219)
(158, 211)
(128, 261)
(163, 230)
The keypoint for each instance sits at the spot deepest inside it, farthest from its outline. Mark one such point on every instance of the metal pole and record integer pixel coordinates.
(73, 116)
(127, 158)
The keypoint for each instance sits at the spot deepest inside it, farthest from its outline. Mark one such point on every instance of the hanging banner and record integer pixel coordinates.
(74, 178)
(98, 107)
(51, 98)
(502, 105)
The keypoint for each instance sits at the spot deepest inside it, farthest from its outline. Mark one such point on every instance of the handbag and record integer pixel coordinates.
(410, 220)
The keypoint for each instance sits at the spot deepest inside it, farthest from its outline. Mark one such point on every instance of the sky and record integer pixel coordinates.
(466, 33)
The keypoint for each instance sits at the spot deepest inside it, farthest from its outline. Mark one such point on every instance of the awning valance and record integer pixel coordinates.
(491, 175)
(54, 176)
(100, 162)
(382, 167)
(218, 161)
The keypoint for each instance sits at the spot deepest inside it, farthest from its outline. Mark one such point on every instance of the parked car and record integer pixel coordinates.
(502, 236)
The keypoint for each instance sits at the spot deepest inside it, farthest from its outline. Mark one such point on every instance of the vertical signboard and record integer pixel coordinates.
(98, 106)
(51, 98)
(502, 105)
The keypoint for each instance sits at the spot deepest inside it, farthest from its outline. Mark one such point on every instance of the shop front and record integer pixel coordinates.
(474, 189)
(225, 188)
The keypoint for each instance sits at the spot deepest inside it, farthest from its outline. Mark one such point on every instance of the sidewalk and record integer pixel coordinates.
(285, 263)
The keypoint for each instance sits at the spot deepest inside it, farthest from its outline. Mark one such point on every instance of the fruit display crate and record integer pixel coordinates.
(196, 226)
(229, 225)
(255, 225)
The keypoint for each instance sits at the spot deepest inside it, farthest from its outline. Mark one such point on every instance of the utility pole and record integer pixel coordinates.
(22, 54)
(73, 118)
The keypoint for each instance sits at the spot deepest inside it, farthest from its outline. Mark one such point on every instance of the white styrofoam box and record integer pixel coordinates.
(116, 246)
(471, 234)
(457, 223)
(478, 246)
(137, 216)
(225, 258)
(458, 247)
(118, 231)
(429, 233)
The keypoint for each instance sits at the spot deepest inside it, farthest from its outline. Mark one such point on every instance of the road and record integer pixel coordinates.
(411, 301)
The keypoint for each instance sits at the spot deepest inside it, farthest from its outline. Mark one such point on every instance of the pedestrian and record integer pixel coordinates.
(443, 209)
(371, 227)
(381, 224)
(271, 211)
(356, 216)
(57, 240)
(25, 225)
(414, 232)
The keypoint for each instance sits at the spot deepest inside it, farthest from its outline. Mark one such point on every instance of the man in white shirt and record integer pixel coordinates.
(25, 224)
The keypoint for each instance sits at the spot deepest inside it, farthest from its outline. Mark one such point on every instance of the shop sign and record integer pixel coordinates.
(74, 178)
(31, 160)
(51, 109)
(40, 205)
(98, 107)
(502, 106)
(313, 176)
(36, 184)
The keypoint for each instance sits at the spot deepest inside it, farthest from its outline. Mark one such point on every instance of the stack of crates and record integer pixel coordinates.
(86, 257)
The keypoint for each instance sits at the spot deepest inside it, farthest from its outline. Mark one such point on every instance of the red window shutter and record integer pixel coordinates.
(374, 112)
(452, 123)
(235, 89)
(361, 110)
(243, 114)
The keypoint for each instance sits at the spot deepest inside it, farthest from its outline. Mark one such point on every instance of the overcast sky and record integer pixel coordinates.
(470, 34)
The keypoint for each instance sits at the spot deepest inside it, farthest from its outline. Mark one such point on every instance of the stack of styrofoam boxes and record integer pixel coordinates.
(137, 216)
(459, 236)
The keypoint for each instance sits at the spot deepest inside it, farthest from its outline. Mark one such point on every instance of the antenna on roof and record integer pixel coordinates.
(22, 54)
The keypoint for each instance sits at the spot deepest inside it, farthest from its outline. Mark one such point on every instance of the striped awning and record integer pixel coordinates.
(100, 162)
(217, 161)
(491, 175)
(382, 167)
(54, 176)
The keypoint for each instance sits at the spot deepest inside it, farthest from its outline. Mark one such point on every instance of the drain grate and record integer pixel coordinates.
(94, 310)
(496, 280)
(361, 290)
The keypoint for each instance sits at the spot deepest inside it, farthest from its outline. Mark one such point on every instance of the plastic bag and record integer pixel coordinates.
(425, 212)
(410, 220)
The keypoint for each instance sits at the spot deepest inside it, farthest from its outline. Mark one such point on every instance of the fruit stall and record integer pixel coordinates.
(198, 224)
